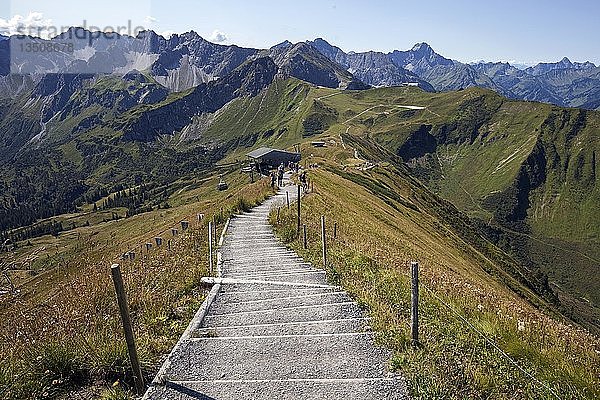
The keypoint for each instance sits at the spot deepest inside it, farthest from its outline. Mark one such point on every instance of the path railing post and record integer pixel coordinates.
(138, 379)
(414, 302)
(299, 211)
(304, 229)
(210, 247)
(287, 199)
(214, 225)
(324, 241)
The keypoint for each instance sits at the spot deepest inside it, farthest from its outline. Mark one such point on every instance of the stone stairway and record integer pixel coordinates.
(284, 333)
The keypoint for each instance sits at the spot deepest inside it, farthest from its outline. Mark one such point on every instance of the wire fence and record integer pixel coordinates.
(459, 316)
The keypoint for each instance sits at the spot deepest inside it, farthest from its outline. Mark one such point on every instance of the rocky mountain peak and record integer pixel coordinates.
(422, 48)
(283, 45)
(321, 42)
(565, 62)
(191, 35)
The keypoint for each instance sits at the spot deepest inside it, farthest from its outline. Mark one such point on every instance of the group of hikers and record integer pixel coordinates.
(277, 175)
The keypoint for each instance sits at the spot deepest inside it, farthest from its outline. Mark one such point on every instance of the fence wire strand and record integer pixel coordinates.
(490, 341)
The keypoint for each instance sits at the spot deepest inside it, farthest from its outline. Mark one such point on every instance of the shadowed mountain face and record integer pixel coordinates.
(67, 134)
(304, 62)
(168, 117)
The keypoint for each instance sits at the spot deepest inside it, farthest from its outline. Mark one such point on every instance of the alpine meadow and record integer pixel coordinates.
(183, 218)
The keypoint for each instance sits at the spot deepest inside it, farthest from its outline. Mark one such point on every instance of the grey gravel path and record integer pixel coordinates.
(265, 340)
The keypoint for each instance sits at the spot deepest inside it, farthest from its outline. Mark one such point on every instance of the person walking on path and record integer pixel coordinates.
(303, 181)
(280, 175)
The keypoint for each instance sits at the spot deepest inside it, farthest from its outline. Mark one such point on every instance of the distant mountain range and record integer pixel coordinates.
(184, 61)
(563, 83)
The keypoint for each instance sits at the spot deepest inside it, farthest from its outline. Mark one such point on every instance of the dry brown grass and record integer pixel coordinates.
(376, 240)
(62, 331)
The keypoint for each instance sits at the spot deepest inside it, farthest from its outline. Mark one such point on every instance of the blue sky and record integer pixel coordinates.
(522, 31)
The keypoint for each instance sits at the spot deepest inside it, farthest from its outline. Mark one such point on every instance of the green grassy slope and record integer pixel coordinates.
(384, 220)
(527, 169)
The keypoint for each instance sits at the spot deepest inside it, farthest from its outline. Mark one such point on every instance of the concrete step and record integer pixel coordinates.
(251, 269)
(257, 254)
(246, 265)
(241, 257)
(240, 295)
(270, 271)
(293, 328)
(225, 305)
(344, 356)
(276, 275)
(292, 314)
(370, 389)
(317, 278)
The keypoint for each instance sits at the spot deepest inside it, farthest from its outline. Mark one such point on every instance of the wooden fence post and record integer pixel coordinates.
(324, 241)
(287, 199)
(278, 210)
(304, 229)
(335, 230)
(138, 379)
(298, 228)
(210, 251)
(215, 236)
(414, 302)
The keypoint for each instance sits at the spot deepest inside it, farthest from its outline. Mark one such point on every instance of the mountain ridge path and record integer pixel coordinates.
(296, 337)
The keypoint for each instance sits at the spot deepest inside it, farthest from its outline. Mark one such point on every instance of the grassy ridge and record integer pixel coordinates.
(74, 300)
(527, 170)
(376, 238)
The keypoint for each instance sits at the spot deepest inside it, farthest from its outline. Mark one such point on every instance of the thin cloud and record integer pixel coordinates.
(218, 37)
(149, 20)
(33, 24)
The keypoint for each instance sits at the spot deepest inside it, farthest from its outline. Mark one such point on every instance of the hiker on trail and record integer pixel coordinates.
(280, 175)
(303, 181)
(272, 179)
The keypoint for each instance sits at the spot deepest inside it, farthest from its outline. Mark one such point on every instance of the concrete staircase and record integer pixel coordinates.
(287, 334)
